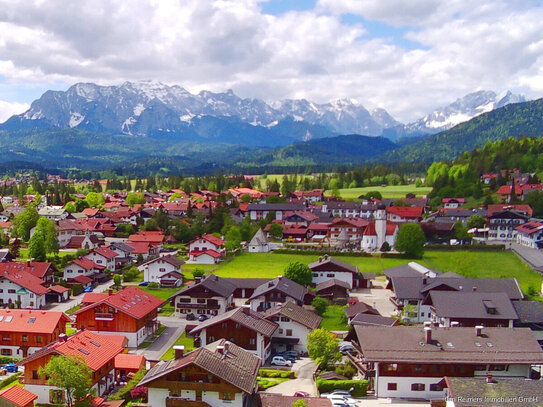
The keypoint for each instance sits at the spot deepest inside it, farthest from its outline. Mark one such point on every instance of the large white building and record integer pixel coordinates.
(379, 232)
(155, 270)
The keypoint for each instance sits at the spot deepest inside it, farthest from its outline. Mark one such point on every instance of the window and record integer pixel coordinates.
(392, 386)
(280, 331)
(6, 337)
(11, 291)
(418, 387)
(38, 339)
(211, 339)
(392, 367)
(181, 299)
(6, 352)
(436, 387)
(226, 396)
(252, 341)
(497, 368)
(285, 319)
(332, 275)
(289, 332)
(56, 396)
(35, 375)
(25, 338)
(417, 368)
(224, 325)
(201, 301)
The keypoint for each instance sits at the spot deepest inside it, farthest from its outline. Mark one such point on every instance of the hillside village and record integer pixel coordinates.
(266, 297)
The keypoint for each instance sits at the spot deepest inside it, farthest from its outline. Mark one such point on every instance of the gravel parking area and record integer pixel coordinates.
(378, 296)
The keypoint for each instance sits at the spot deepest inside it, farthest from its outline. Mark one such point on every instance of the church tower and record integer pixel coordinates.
(380, 224)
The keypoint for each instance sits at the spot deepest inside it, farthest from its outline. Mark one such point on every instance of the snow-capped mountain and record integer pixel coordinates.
(147, 107)
(151, 108)
(462, 110)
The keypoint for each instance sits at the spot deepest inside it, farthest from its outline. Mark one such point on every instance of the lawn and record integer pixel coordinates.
(334, 319)
(163, 293)
(389, 191)
(182, 340)
(469, 264)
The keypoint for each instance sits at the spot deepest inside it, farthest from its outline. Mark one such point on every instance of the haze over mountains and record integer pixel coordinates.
(150, 108)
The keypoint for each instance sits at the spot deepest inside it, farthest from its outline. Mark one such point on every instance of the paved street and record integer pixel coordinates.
(304, 369)
(73, 301)
(532, 257)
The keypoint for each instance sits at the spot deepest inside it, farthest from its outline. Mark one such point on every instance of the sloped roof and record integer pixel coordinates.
(36, 268)
(406, 211)
(325, 261)
(529, 311)
(31, 321)
(221, 286)
(372, 319)
(239, 367)
(88, 264)
(23, 279)
(360, 308)
(174, 261)
(454, 304)
(243, 316)
(209, 252)
(331, 283)
(95, 349)
(283, 285)
(129, 361)
(259, 239)
(296, 313)
(18, 396)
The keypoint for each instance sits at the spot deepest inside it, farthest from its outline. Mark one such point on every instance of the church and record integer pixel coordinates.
(379, 231)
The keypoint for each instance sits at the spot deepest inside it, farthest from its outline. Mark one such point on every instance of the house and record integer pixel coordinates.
(88, 241)
(350, 209)
(453, 203)
(522, 208)
(58, 293)
(103, 256)
(97, 351)
(530, 315)
(163, 269)
(401, 214)
(66, 229)
(259, 243)
(54, 213)
(211, 296)
(24, 332)
(492, 390)
(316, 195)
(206, 249)
(335, 291)
(295, 323)
(379, 232)
(295, 232)
(530, 234)
(411, 361)
(124, 253)
(362, 319)
(353, 228)
(130, 312)
(16, 396)
(20, 287)
(328, 267)
(279, 290)
(302, 218)
(502, 225)
(259, 211)
(83, 267)
(487, 178)
(359, 308)
(127, 364)
(213, 375)
(153, 238)
(246, 328)
(454, 308)
(45, 271)
(245, 287)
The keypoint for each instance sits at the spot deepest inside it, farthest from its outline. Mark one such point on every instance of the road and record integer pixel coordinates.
(304, 369)
(73, 301)
(532, 257)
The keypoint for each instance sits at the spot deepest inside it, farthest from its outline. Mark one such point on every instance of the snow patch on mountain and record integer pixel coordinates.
(75, 119)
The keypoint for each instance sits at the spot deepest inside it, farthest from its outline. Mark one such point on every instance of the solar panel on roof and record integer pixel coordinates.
(9, 318)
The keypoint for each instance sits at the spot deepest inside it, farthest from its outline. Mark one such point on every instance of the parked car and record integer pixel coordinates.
(339, 400)
(346, 349)
(87, 290)
(301, 394)
(287, 356)
(280, 361)
(340, 392)
(202, 318)
(191, 317)
(291, 353)
(144, 284)
(10, 368)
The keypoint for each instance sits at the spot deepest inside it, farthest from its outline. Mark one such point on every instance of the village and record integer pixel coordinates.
(252, 297)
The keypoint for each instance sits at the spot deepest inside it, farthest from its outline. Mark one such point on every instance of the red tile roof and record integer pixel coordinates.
(390, 229)
(82, 280)
(95, 349)
(129, 361)
(140, 247)
(88, 264)
(213, 239)
(492, 209)
(32, 321)
(406, 211)
(36, 268)
(153, 237)
(91, 298)
(18, 396)
(105, 252)
(209, 252)
(530, 227)
(22, 278)
(131, 300)
(59, 289)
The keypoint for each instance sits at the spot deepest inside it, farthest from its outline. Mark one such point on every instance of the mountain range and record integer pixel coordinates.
(153, 109)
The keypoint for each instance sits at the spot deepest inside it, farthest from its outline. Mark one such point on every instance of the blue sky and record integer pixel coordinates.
(407, 57)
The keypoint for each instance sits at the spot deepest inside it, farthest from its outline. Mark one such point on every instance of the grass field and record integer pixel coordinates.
(182, 340)
(334, 319)
(163, 293)
(392, 191)
(469, 264)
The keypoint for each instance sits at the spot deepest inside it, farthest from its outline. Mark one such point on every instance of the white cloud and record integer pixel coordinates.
(8, 109)
(215, 45)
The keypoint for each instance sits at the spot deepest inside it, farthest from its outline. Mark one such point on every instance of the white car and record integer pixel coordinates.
(280, 361)
(340, 400)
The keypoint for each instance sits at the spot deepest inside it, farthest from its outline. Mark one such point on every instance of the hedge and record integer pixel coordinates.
(360, 386)
(273, 373)
(468, 247)
(8, 359)
(7, 381)
(124, 392)
(77, 289)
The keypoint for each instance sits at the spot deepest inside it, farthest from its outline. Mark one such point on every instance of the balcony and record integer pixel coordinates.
(197, 306)
(183, 402)
(103, 316)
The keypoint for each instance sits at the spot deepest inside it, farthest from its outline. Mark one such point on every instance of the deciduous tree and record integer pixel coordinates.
(411, 240)
(298, 272)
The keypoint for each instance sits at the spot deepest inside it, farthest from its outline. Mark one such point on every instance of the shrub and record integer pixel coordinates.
(360, 386)
(139, 392)
(125, 392)
(273, 373)
(153, 286)
(77, 289)
(346, 369)
(320, 305)
(14, 377)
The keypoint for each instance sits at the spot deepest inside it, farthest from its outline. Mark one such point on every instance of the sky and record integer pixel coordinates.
(406, 56)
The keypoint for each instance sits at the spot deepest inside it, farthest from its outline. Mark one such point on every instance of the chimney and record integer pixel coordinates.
(82, 328)
(179, 350)
(220, 349)
(454, 324)
(110, 292)
(489, 378)
(428, 334)
(226, 347)
(326, 257)
(474, 288)
(479, 330)
(424, 281)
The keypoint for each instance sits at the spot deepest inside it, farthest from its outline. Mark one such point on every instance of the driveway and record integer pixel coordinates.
(378, 297)
(304, 369)
(162, 343)
(532, 257)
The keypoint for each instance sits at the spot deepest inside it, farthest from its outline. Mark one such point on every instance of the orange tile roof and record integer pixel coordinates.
(129, 361)
(22, 278)
(36, 268)
(95, 349)
(31, 321)
(18, 396)
(91, 298)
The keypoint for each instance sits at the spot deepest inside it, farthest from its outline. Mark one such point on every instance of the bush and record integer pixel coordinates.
(139, 393)
(153, 286)
(346, 369)
(124, 393)
(320, 305)
(360, 386)
(131, 274)
(8, 359)
(77, 289)
(273, 373)
(10, 379)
